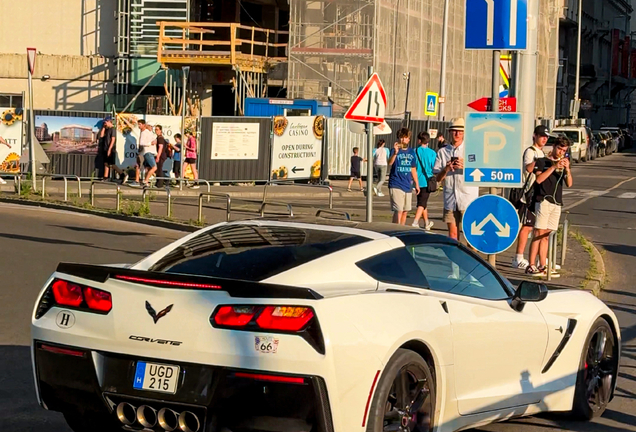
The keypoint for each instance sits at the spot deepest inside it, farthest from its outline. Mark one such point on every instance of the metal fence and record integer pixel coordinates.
(341, 141)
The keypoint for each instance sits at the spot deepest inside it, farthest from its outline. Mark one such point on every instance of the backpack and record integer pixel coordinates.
(520, 197)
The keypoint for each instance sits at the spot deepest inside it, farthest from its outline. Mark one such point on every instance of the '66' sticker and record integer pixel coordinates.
(266, 344)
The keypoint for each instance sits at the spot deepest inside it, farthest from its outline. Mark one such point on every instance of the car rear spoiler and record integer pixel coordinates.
(234, 287)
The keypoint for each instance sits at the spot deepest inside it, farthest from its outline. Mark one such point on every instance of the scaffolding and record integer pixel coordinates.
(333, 42)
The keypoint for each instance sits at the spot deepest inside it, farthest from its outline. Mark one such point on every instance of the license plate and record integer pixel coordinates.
(156, 377)
(266, 344)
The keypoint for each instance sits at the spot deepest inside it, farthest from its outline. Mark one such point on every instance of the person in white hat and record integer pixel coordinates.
(449, 168)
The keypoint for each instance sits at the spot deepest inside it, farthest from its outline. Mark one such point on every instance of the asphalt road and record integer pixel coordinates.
(602, 205)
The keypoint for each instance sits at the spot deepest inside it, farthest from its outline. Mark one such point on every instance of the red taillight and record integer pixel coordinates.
(234, 316)
(284, 318)
(80, 296)
(98, 300)
(167, 283)
(67, 293)
(60, 350)
(271, 378)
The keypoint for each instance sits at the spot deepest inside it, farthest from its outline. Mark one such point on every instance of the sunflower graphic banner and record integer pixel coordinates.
(10, 139)
(297, 147)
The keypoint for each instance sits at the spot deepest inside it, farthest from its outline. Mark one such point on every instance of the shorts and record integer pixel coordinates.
(112, 159)
(548, 216)
(527, 217)
(400, 200)
(422, 198)
(453, 217)
(140, 160)
(356, 174)
(149, 160)
(191, 161)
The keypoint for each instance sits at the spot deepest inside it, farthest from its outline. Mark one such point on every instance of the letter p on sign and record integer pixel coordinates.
(493, 142)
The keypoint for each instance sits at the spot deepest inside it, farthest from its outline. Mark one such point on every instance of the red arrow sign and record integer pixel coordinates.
(505, 104)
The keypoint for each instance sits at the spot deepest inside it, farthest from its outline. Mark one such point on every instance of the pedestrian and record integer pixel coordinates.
(526, 205)
(449, 168)
(162, 155)
(381, 156)
(176, 156)
(191, 156)
(355, 169)
(108, 139)
(148, 151)
(441, 141)
(552, 172)
(403, 176)
(425, 157)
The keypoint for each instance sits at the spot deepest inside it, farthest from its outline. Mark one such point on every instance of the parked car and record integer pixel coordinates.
(602, 139)
(617, 138)
(578, 135)
(593, 145)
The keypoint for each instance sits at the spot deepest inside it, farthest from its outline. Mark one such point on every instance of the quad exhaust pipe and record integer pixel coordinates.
(148, 417)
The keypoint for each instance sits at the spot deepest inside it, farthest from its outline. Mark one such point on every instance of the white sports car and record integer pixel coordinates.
(314, 325)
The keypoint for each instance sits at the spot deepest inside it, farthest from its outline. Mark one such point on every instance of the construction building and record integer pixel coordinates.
(608, 61)
(107, 52)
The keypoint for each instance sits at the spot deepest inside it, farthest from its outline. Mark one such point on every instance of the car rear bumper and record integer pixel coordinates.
(83, 381)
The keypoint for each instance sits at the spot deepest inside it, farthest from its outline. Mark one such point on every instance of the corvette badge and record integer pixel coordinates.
(156, 316)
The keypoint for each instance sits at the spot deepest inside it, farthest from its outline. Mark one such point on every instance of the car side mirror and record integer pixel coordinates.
(528, 292)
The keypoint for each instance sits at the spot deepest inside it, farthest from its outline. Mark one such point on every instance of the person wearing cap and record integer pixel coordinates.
(527, 213)
(449, 168)
(110, 150)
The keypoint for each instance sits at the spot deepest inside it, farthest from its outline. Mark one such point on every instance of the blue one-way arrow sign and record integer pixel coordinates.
(496, 24)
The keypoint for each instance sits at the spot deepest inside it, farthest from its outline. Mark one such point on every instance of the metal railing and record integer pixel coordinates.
(553, 244)
(64, 177)
(322, 186)
(290, 210)
(228, 204)
(116, 185)
(346, 215)
(182, 180)
(168, 195)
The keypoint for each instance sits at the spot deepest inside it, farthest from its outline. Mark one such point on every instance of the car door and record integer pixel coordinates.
(498, 352)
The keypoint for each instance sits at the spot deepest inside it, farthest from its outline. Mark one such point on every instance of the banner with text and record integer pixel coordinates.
(235, 141)
(297, 147)
(10, 139)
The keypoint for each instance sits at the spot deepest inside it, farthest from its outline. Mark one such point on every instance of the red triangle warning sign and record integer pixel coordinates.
(370, 105)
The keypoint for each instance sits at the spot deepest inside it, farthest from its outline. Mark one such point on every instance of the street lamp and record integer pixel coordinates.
(442, 87)
(577, 101)
(407, 117)
(186, 71)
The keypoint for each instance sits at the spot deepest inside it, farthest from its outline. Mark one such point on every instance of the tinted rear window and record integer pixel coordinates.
(252, 253)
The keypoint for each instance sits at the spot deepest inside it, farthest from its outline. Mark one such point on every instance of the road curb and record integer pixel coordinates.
(135, 219)
(596, 284)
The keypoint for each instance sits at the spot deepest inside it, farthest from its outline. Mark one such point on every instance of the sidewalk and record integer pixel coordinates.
(305, 200)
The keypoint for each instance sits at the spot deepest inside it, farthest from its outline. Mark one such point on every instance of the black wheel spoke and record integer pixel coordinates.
(599, 349)
(402, 389)
(394, 427)
(421, 392)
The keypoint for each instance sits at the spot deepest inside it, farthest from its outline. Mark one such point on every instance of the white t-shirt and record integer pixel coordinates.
(531, 154)
(457, 195)
(145, 142)
(380, 157)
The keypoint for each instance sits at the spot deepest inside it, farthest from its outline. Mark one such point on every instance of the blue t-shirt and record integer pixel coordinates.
(400, 177)
(425, 164)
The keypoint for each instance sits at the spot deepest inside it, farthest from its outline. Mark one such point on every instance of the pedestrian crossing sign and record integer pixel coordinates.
(431, 104)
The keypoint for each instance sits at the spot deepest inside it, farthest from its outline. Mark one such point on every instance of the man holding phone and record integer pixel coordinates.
(552, 172)
(449, 168)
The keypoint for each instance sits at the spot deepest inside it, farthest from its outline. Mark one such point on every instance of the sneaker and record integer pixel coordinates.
(375, 190)
(555, 267)
(380, 194)
(196, 186)
(348, 190)
(536, 272)
(134, 183)
(125, 179)
(524, 263)
(429, 225)
(2, 181)
(415, 224)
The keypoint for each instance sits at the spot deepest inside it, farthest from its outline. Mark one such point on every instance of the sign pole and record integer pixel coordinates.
(496, 58)
(185, 71)
(31, 53)
(369, 127)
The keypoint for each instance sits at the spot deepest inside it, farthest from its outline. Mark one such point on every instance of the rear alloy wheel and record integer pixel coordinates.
(597, 372)
(404, 400)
